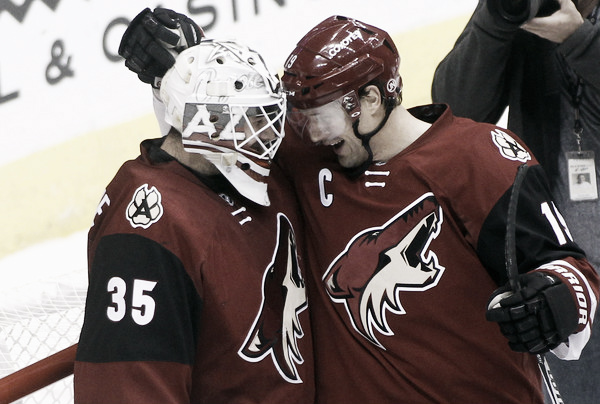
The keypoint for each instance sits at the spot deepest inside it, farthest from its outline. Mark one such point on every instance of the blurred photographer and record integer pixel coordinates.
(540, 59)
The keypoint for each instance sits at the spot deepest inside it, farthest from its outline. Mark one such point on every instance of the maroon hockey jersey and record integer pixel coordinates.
(405, 258)
(196, 295)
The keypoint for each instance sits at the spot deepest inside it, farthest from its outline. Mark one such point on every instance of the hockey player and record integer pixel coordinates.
(197, 292)
(406, 214)
(406, 217)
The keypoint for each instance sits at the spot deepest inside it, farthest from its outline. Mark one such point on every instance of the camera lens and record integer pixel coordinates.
(520, 11)
(515, 7)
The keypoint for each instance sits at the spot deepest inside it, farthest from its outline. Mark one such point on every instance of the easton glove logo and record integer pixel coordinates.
(509, 147)
(145, 208)
(380, 262)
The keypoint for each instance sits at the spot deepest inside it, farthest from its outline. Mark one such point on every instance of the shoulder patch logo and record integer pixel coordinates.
(509, 148)
(145, 207)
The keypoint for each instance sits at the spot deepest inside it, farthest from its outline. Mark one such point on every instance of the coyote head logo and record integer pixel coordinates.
(379, 263)
(277, 328)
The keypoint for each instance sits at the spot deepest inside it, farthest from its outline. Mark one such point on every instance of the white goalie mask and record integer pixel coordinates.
(230, 108)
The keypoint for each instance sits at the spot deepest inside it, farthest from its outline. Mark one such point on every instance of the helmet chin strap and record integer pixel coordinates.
(355, 172)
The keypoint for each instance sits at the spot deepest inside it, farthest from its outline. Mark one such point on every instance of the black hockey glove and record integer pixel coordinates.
(153, 38)
(537, 318)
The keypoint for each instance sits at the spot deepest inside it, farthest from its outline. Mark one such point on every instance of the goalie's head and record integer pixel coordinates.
(229, 107)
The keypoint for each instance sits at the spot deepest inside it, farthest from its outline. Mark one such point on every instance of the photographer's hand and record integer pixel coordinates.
(558, 26)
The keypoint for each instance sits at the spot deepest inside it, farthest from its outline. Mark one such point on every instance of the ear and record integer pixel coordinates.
(371, 100)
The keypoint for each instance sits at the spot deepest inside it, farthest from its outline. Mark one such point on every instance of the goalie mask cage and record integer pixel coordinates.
(38, 318)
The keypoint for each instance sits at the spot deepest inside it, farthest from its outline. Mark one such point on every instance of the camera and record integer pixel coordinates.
(520, 11)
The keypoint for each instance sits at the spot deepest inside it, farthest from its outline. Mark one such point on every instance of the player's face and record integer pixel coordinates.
(260, 134)
(329, 125)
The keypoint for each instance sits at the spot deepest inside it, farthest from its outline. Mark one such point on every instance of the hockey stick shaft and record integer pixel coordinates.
(551, 386)
(37, 375)
(510, 242)
(512, 271)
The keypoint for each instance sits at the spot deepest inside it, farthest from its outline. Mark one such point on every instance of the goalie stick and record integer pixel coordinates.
(37, 375)
(510, 257)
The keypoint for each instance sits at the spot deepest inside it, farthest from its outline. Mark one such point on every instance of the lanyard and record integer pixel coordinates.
(576, 91)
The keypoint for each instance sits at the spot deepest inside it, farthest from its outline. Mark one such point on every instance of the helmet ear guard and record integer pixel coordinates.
(229, 107)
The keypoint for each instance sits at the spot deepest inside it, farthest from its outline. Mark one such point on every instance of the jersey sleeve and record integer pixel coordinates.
(544, 243)
(138, 339)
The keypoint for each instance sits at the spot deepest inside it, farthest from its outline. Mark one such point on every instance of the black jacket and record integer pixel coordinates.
(494, 65)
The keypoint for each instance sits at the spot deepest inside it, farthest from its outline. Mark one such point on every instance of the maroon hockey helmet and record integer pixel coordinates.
(338, 57)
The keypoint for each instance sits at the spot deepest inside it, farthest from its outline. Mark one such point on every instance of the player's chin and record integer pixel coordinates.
(350, 160)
